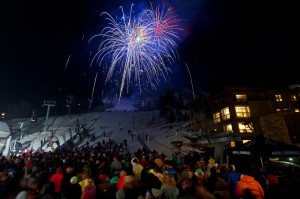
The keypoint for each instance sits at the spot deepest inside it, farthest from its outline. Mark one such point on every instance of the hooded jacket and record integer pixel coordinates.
(248, 182)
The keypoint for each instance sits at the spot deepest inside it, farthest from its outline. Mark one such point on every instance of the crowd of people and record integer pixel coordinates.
(108, 170)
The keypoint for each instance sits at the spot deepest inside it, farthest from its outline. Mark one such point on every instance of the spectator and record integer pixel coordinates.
(115, 166)
(273, 184)
(159, 161)
(169, 189)
(69, 173)
(212, 180)
(232, 178)
(121, 181)
(4, 185)
(222, 189)
(248, 182)
(48, 191)
(137, 168)
(57, 179)
(89, 190)
(74, 191)
(200, 176)
(27, 179)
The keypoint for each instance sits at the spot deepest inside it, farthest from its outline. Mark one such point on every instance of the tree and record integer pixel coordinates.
(19, 110)
(167, 102)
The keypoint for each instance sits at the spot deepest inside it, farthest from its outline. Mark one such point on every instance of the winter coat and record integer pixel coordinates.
(89, 192)
(57, 179)
(233, 177)
(137, 170)
(120, 183)
(248, 182)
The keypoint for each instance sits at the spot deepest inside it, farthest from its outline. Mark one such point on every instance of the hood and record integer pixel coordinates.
(247, 179)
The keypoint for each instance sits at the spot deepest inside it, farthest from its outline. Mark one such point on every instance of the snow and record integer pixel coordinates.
(116, 123)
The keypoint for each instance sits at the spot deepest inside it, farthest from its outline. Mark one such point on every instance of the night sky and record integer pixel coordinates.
(224, 43)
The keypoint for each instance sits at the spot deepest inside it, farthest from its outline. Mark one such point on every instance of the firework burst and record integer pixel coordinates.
(137, 49)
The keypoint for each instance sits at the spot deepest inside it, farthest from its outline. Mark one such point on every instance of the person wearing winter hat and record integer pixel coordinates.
(199, 172)
(200, 176)
(211, 162)
(74, 190)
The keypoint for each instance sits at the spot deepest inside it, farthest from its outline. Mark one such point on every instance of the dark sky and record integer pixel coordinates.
(224, 43)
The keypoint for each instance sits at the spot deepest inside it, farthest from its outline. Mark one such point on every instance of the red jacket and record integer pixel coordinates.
(272, 179)
(120, 183)
(57, 179)
(248, 182)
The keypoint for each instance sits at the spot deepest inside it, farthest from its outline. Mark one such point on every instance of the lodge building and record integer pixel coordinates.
(272, 113)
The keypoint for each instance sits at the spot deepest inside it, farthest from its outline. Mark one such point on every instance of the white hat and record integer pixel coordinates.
(74, 180)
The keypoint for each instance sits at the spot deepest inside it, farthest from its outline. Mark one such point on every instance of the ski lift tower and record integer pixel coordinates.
(48, 104)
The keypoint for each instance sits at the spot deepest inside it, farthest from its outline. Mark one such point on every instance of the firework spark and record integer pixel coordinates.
(94, 85)
(67, 62)
(137, 48)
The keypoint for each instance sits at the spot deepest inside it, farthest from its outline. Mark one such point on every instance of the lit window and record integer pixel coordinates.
(245, 141)
(225, 114)
(232, 144)
(297, 110)
(245, 128)
(278, 98)
(217, 117)
(242, 111)
(294, 98)
(227, 128)
(241, 98)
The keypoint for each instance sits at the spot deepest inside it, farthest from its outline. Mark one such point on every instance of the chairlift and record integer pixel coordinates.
(33, 118)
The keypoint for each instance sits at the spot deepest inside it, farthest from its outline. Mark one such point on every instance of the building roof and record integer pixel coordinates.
(262, 146)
